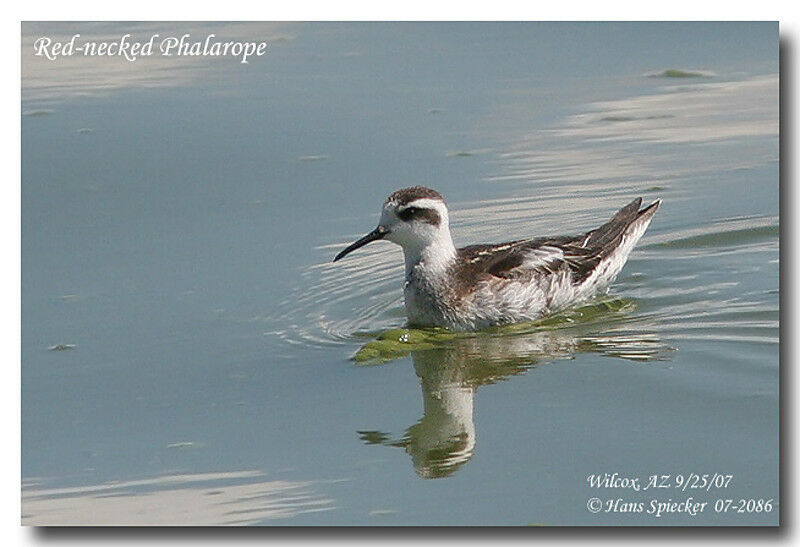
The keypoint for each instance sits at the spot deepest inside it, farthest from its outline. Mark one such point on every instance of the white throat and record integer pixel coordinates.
(432, 258)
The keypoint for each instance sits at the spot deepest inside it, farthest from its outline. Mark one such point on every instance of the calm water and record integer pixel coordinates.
(187, 344)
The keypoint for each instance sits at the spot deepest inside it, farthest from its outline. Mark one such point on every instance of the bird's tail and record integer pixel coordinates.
(629, 221)
(613, 242)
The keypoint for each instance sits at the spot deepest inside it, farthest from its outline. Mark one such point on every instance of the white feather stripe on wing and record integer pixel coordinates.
(542, 256)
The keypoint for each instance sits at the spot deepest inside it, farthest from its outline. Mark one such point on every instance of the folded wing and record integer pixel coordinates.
(579, 254)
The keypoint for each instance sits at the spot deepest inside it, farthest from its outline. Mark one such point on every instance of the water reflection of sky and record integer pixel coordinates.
(210, 499)
(681, 127)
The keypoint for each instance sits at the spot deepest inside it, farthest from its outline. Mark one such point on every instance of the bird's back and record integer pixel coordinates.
(525, 279)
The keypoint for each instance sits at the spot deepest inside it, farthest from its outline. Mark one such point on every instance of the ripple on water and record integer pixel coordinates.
(339, 304)
(689, 277)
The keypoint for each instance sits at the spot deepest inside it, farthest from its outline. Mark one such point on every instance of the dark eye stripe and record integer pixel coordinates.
(417, 213)
(408, 213)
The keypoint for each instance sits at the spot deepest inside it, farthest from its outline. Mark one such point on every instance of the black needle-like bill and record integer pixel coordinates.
(376, 234)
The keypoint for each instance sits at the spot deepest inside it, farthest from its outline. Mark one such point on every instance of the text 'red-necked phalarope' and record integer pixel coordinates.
(485, 285)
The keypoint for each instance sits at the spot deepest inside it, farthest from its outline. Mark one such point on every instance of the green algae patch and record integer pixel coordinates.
(596, 310)
(587, 313)
(38, 112)
(382, 351)
(394, 344)
(678, 73)
(417, 336)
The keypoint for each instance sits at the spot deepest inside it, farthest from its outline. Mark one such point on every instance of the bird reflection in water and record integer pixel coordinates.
(444, 438)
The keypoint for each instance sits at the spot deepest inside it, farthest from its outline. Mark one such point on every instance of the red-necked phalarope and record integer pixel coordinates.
(485, 285)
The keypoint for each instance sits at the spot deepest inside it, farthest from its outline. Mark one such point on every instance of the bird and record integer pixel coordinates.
(480, 286)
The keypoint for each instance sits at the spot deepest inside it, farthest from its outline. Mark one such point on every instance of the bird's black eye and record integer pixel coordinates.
(408, 213)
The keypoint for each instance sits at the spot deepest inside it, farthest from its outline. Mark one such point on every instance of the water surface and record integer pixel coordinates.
(187, 343)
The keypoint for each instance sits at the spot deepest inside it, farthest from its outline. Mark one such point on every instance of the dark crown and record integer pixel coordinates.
(407, 195)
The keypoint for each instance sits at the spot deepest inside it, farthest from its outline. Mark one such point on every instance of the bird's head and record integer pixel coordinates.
(413, 218)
